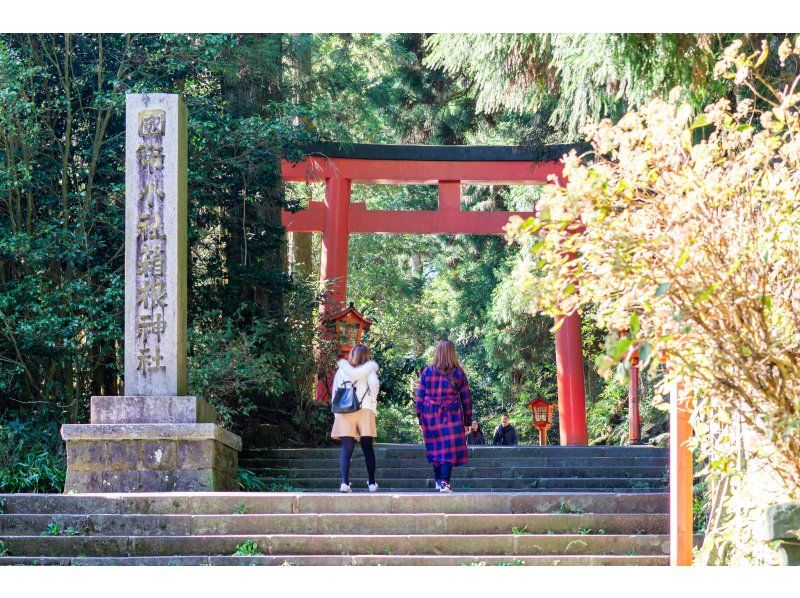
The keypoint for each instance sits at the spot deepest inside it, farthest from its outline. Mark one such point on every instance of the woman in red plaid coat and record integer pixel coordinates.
(444, 410)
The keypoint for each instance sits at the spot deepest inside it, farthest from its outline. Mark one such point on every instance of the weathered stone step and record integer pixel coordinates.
(478, 483)
(633, 490)
(345, 523)
(357, 489)
(344, 560)
(294, 502)
(503, 452)
(387, 473)
(401, 463)
(280, 544)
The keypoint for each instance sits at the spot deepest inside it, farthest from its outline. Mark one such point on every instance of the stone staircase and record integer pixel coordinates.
(403, 468)
(506, 528)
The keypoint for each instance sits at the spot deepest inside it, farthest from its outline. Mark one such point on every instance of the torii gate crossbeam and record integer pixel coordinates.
(448, 167)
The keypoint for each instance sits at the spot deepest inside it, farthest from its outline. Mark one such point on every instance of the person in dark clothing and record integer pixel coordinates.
(475, 435)
(505, 434)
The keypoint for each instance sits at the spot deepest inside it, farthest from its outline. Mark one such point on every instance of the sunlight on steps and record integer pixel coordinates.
(513, 506)
(333, 529)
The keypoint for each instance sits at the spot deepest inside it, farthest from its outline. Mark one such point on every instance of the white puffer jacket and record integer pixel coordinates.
(365, 380)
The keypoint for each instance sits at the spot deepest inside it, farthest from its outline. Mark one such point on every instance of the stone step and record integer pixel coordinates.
(359, 489)
(633, 490)
(477, 483)
(503, 452)
(104, 524)
(387, 473)
(402, 463)
(344, 560)
(297, 544)
(298, 502)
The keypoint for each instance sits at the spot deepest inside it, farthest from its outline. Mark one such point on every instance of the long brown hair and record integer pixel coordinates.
(359, 354)
(445, 359)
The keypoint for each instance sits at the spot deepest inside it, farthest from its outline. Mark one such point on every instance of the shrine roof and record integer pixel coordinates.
(443, 153)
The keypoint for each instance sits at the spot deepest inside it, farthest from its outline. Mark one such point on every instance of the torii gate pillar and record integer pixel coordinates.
(336, 239)
(571, 390)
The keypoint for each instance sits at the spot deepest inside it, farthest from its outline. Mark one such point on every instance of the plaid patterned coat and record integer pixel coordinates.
(443, 412)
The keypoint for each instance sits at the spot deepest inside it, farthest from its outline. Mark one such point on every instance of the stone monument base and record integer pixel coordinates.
(127, 449)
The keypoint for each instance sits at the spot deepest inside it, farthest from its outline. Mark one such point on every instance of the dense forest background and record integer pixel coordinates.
(253, 100)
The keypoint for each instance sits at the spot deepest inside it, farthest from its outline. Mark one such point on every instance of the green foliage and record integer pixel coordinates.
(248, 548)
(3, 549)
(572, 75)
(512, 563)
(232, 367)
(55, 528)
(701, 507)
(31, 457)
(565, 507)
(398, 423)
(61, 234)
(249, 482)
(517, 531)
(241, 509)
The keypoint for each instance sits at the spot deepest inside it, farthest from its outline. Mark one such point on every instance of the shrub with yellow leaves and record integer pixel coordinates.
(683, 233)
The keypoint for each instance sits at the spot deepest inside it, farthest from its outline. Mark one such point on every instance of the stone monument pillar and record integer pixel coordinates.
(155, 438)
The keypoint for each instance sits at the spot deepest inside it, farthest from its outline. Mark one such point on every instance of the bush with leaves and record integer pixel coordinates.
(32, 457)
(261, 370)
(683, 232)
(249, 481)
(397, 422)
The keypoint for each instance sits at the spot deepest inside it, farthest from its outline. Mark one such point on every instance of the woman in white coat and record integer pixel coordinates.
(362, 372)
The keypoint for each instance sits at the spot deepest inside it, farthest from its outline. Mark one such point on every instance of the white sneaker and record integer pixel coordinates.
(345, 488)
(372, 487)
(444, 487)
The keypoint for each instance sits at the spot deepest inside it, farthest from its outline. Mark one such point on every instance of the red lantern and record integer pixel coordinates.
(542, 417)
(348, 326)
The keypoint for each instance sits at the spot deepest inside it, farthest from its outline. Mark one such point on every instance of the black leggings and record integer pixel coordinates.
(348, 445)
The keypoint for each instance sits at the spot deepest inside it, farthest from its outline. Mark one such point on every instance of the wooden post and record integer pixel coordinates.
(543, 436)
(634, 421)
(681, 474)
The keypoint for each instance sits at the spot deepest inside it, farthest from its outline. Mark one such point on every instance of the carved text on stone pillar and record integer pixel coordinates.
(151, 245)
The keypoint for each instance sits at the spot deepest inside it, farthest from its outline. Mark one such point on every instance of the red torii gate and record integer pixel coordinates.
(448, 167)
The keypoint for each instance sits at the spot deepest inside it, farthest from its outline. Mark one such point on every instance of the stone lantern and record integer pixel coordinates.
(542, 412)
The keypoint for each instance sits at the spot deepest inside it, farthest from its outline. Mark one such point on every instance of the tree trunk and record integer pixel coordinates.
(254, 246)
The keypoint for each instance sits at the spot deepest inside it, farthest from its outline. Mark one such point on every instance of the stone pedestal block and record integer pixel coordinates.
(783, 527)
(163, 457)
(152, 410)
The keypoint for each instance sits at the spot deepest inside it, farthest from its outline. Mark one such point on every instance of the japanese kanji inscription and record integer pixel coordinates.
(155, 269)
